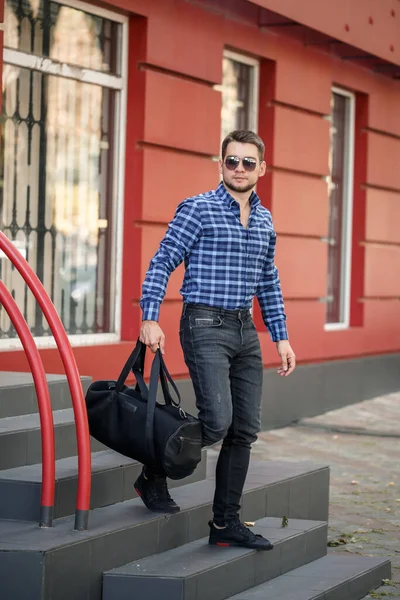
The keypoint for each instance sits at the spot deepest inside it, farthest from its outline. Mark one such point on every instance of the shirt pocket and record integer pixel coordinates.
(259, 239)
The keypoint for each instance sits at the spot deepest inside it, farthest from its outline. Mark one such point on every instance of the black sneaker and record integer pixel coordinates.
(154, 493)
(237, 534)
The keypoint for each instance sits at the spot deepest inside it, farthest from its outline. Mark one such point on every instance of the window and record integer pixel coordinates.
(239, 89)
(340, 192)
(60, 185)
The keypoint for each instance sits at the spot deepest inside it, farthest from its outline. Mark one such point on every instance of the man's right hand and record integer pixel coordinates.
(152, 335)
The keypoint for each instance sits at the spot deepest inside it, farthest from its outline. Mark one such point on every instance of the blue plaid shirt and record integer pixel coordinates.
(226, 265)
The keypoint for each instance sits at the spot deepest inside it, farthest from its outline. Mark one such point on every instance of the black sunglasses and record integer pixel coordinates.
(232, 163)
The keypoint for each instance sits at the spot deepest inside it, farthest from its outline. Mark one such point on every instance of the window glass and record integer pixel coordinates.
(340, 191)
(57, 176)
(239, 93)
(63, 34)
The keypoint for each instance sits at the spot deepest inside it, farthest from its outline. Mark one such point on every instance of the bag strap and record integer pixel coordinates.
(132, 359)
(164, 376)
(138, 372)
(158, 371)
(151, 405)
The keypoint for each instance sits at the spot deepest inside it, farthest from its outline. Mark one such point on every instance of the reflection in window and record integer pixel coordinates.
(340, 189)
(62, 33)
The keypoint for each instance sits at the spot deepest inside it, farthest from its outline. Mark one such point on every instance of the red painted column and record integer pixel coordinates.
(359, 212)
(266, 123)
(135, 122)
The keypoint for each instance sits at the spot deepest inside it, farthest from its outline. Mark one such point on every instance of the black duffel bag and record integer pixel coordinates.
(131, 421)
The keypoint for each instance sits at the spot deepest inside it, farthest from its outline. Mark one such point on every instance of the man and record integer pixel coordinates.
(227, 241)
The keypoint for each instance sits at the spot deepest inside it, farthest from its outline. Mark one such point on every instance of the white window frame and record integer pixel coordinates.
(119, 83)
(255, 83)
(345, 287)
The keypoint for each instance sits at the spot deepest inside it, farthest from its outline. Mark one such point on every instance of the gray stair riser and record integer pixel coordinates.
(349, 578)
(16, 400)
(20, 448)
(21, 499)
(221, 572)
(125, 532)
(74, 568)
(302, 497)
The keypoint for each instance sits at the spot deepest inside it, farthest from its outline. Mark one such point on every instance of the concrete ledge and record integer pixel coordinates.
(113, 476)
(18, 393)
(332, 577)
(61, 564)
(197, 570)
(21, 442)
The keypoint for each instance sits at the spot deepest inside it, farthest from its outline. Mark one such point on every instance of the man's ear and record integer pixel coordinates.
(220, 165)
(263, 168)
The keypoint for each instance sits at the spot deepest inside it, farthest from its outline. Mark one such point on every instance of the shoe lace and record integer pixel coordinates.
(159, 489)
(238, 526)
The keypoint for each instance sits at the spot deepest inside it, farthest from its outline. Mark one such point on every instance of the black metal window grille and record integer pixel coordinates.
(58, 162)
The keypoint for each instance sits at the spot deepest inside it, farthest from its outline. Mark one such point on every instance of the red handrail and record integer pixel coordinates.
(45, 410)
(71, 370)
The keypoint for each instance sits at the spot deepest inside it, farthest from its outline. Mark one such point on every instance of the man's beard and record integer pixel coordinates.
(239, 189)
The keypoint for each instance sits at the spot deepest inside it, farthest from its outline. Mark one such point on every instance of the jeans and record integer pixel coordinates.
(222, 352)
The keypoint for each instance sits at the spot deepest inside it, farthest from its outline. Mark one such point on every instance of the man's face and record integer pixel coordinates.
(239, 179)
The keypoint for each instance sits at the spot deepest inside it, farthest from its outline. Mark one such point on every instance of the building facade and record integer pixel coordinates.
(113, 114)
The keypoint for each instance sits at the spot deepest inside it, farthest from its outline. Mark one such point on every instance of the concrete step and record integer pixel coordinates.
(197, 570)
(333, 577)
(302, 492)
(113, 476)
(385, 591)
(61, 564)
(20, 440)
(18, 394)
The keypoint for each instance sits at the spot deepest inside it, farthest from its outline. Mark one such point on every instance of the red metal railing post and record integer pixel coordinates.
(71, 370)
(45, 409)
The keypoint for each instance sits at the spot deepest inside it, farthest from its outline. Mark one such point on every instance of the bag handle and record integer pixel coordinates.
(151, 405)
(158, 370)
(164, 376)
(138, 372)
(150, 395)
(129, 365)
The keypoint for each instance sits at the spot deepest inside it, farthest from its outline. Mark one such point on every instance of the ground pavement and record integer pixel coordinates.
(361, 443)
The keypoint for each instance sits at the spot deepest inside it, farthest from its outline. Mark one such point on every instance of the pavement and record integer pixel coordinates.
(361, 444)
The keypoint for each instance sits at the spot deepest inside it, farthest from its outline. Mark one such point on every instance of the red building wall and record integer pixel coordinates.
(173, 131)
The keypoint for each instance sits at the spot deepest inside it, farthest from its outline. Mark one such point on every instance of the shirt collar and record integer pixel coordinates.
(222, 193)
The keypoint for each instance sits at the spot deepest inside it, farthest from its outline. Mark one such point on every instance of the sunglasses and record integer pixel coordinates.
(232, 163)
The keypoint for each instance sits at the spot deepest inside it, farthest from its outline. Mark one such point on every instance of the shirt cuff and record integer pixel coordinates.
(150, 311)
(278, 331)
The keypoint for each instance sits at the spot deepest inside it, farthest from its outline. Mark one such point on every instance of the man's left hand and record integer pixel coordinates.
(287, 356)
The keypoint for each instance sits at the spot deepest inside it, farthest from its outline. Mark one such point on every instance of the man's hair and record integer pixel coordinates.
(244, 136)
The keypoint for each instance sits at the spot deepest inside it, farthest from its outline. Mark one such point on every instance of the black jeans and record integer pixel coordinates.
(222, 352)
